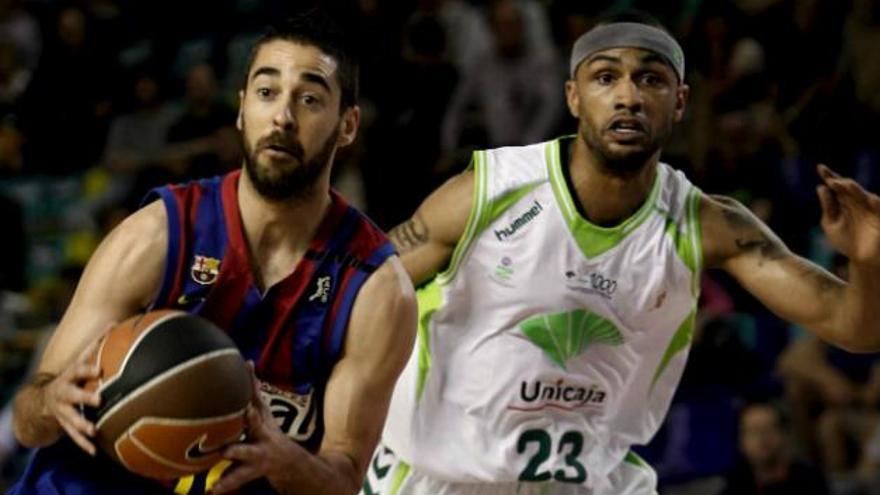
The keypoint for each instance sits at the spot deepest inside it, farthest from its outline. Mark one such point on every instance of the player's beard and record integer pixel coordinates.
(625, 161)
(291, 179)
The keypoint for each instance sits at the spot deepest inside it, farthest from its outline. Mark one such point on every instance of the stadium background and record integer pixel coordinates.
(101, 99)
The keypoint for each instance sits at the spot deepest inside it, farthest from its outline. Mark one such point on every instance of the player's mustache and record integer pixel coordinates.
(281, 142)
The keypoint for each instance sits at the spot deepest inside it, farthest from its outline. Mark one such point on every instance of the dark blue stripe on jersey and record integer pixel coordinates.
(340, 324)
(250, 326)
(210, 226)
(171, 257)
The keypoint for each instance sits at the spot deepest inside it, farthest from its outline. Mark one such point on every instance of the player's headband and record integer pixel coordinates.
(628, 35)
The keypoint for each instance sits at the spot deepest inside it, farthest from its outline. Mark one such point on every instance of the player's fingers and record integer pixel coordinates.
(75, 395)
(830, 206)
(243, 452)
(72, 417)
(255, 382)
(825, 172)
(235, 478)
(78, 438)
(856, 192)
(84, 371)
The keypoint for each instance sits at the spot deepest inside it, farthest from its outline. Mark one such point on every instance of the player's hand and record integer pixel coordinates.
(850, 217)
(267, 452)
(65, 395)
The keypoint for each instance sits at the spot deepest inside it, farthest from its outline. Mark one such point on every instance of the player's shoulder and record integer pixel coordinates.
(140, 239)
(385, 303)
(145, 224)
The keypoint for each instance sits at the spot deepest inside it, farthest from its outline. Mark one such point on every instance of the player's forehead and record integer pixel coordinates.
(293, 60)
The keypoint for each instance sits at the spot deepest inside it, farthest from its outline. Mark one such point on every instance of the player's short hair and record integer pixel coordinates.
(317, 28)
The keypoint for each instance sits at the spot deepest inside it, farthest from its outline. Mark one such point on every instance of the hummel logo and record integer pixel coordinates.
(323, 289)
(520, 222)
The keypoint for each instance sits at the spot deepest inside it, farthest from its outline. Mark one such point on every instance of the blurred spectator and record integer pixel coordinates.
(465, 29)
(405, 141)
(517, 88)
(65, 128)
(11, 142)
(767, 466)
(14, 77)
(137, 139)
(20, 29)
(137, 142)
(846, 390)
(862, 39)
(203, 141)
(12, 249)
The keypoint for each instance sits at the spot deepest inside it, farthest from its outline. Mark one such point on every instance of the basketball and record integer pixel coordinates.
(174, 389)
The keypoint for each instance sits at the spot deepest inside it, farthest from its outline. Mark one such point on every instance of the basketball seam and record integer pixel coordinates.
(184, 470)
(144, 388)
(134, 346)
(153, 455)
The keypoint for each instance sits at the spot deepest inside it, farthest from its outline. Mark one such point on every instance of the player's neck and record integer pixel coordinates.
(279, 232)
(605, 197)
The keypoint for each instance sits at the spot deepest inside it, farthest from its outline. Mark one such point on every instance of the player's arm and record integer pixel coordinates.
(426, 241)
(120, 279)
(846, 314)
(379, 340)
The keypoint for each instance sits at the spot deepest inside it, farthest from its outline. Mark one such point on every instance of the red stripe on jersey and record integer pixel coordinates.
(235, 276)
(182, 242)
(289, 291)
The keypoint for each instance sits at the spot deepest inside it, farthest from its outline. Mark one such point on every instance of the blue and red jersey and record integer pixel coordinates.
(294, 331)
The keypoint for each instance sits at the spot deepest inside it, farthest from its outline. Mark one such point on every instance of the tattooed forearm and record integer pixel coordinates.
(409, 235)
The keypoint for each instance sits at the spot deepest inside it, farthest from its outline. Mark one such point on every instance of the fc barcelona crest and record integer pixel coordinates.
(205, 269)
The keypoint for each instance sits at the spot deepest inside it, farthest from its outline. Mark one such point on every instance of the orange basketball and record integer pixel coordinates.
(174, 390)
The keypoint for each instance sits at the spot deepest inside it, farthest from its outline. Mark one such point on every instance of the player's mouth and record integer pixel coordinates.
(280, 152)
(626, 129)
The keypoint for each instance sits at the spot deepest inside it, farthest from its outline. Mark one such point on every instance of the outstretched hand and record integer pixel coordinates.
(850, 217)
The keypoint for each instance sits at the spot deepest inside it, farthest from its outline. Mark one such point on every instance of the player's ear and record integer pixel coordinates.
(238, 118)
(572, 98)
(348, 125)
(681, 96)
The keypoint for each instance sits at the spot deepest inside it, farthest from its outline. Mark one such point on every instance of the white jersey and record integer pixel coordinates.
(550, 345)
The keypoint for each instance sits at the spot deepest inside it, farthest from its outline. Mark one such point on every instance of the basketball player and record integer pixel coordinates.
(560, 284)
(307, 287)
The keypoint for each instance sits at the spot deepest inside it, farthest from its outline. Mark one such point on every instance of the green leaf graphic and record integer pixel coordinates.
(565, 335)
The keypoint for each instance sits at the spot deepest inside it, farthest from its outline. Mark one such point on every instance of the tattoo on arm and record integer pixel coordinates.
(750, 237)
(409, 235)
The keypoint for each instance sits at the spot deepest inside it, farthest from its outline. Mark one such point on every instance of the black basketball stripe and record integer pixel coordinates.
(160, 381)
(172, 342)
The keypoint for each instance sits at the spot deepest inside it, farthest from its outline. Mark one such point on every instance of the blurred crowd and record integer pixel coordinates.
(101, 100)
